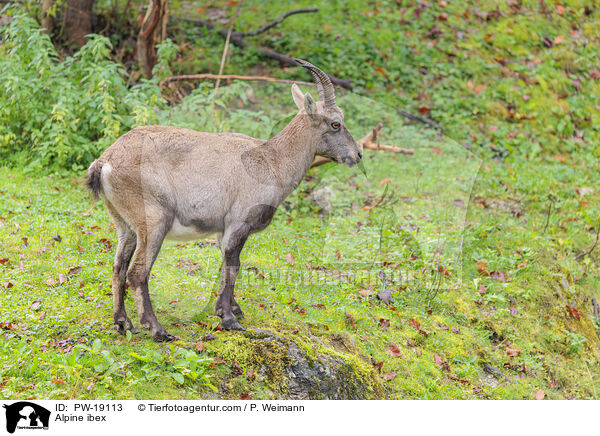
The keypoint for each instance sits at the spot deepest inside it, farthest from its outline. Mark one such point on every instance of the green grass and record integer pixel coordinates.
(422, 220)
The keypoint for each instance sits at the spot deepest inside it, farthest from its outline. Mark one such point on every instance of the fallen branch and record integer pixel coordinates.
(277, 21)
(370, 141)
(390, 148)
(581, 255)
(420, 119)
(494, 372)
(230, 76)
(238, 40)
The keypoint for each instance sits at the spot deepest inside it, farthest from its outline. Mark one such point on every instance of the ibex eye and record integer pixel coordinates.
(335, 125)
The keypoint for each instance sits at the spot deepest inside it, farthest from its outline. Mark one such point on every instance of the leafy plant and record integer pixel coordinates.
(179, 363)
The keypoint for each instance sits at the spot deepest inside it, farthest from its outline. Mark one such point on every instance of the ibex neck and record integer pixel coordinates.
(294, 151)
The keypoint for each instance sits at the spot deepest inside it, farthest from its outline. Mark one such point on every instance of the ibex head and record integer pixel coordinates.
(335, 141)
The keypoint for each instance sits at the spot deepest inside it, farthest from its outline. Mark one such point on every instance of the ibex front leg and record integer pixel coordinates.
(231, 246)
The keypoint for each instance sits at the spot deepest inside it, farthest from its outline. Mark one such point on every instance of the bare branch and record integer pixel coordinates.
(230, 76)
(238, 40)
(420, 119)
(390, 148)
(277, 21)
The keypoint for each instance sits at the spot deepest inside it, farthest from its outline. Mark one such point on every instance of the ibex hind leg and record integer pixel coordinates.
(149, 241)
(126, 242)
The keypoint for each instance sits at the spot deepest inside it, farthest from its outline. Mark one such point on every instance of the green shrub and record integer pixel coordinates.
(61, 114)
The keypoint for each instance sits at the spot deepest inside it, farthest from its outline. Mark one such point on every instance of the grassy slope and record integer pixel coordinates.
(397, 236)
(468, 318)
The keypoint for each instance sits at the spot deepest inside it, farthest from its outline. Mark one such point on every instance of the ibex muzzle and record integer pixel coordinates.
(171, 183)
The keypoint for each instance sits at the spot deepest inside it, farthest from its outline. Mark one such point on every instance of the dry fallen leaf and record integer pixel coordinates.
(499, 276)
(441, 363)
(461, 380)
(350, 320)
(393, 350)
(574, 312)
(384, 323)
(482, 268)
(237, 369)
(365, 292)
(290, 258)
(389, 375)
(540, 395)
(513, 352)
(74, 270)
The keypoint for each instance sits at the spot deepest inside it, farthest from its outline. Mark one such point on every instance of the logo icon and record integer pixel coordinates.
(26, 415)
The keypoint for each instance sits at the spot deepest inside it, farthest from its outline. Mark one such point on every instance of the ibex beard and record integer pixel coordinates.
(162, 183)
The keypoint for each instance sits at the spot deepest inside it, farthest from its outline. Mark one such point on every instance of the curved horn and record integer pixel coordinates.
(319, 85)
(328, 95)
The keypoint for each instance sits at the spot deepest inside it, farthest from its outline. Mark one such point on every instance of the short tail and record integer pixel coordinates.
(94, 177)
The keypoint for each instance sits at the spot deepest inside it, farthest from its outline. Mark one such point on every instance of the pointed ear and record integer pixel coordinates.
(297, 96)
(309, 104)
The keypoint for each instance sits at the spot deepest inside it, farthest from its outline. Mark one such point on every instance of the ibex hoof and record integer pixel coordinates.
(123, 326)
(163, 337)
(232, 324)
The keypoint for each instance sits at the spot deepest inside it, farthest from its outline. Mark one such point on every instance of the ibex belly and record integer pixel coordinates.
(179, 232)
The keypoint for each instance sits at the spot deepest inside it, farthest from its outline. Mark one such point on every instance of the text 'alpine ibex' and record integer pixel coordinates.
(173, 183)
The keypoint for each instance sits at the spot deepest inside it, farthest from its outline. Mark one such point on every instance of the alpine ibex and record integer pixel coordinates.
(168, 182)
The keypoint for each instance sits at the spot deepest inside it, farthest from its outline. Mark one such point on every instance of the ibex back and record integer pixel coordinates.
(172, 183)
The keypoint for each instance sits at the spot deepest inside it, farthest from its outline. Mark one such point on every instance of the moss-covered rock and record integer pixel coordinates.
(298, 366)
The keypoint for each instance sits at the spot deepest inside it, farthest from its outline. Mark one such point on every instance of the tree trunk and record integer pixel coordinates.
(78, 21)
(46, 19)
(152, 31)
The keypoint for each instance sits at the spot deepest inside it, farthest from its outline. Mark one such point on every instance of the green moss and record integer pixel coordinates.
(267, 355)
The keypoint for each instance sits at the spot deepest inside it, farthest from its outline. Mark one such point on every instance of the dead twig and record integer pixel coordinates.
(552, 200)
(585, 253)
(232, 77)
(420, 119)
(238, 40)
(391, 148)
(494, 372)
(277, 21)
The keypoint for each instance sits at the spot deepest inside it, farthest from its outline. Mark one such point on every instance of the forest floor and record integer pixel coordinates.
(466, 270)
